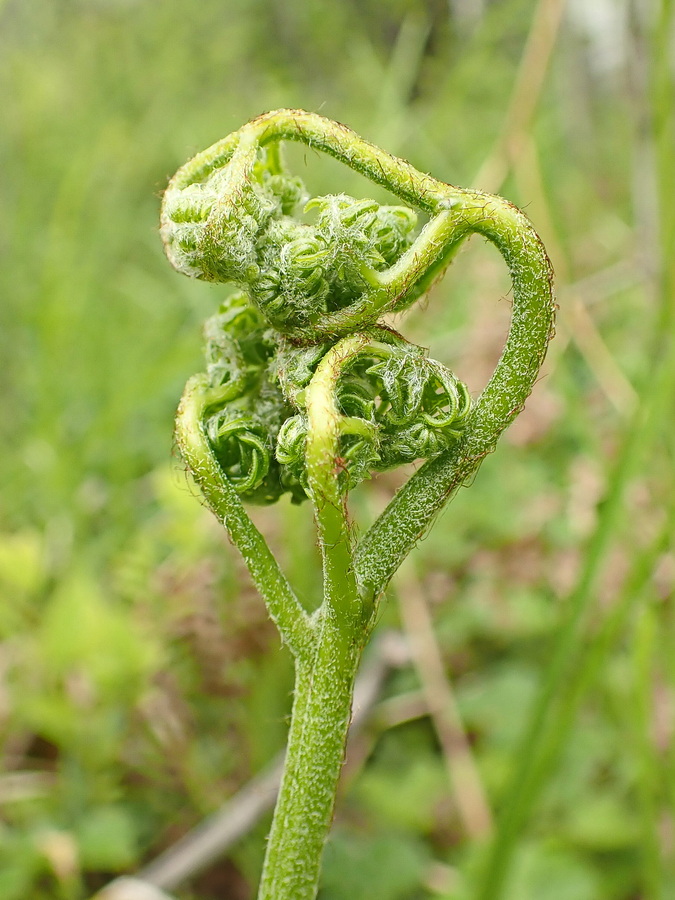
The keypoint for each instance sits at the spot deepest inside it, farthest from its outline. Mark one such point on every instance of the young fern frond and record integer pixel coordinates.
(306, 392)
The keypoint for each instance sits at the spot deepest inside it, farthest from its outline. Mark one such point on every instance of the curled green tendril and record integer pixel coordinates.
(247, 407)
(239, 222)
(395, 406)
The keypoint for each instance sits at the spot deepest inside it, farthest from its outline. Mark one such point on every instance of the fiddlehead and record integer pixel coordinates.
(234, 213)
(307, 393)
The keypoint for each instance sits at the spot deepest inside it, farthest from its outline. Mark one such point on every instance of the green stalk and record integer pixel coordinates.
(316, 747)
(340, 588)
(324, 680)
(327, 648)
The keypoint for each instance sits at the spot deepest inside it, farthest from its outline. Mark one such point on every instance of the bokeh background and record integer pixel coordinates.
(141, 684)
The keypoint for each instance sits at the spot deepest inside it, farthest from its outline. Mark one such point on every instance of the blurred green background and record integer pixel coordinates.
(141, 684)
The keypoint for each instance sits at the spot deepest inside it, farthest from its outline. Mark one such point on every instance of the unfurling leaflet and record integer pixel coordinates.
(250, 231)
(395, 405)
(295, 261)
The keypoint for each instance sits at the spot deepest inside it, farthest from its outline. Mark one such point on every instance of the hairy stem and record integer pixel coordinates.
(316, 747)
(340, 587)
(284, 607)
(415, 506)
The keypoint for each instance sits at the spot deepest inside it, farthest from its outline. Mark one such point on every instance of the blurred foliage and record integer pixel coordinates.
(141, 683)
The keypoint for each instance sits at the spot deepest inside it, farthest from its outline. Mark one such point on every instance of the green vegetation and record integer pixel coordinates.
(142, 683)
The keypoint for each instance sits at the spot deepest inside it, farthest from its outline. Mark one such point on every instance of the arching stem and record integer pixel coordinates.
(415, 506)
(284, 607)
